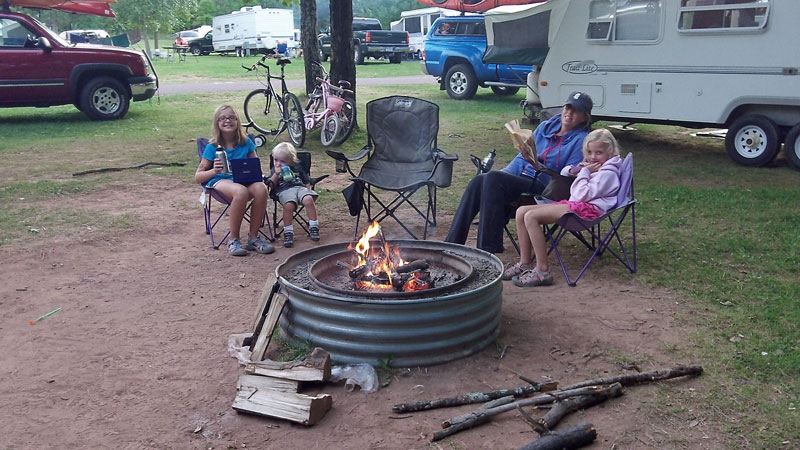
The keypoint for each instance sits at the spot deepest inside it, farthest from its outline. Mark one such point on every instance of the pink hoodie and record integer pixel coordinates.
(599, 188)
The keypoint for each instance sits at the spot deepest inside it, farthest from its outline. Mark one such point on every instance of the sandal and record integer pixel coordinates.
(259, 246)
(515, 270)
(235, 248)
(533, 277)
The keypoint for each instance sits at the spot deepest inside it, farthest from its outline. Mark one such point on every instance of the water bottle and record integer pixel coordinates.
(287, 173)
(488, 161)
(222, 156)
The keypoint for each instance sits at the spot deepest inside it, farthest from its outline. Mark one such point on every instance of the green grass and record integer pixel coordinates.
(723, 236)
(228, 67)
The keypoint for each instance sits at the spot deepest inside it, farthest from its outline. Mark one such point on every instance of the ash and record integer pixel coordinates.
(485, 272)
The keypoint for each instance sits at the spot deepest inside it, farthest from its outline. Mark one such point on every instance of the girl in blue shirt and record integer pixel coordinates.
(227, 132)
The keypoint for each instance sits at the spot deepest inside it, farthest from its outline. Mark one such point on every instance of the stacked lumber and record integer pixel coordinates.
(272, 389)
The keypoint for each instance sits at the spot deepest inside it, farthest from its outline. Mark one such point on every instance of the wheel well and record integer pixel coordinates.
(86, 77)
(452, 61)
(782, 115)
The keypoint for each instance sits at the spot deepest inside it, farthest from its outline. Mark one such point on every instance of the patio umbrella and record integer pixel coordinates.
(95, 7)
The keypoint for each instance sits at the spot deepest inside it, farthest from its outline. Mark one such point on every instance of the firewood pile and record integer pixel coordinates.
(560, 403)
(270, 388)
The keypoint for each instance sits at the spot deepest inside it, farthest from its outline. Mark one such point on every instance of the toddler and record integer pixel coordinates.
(292, 187)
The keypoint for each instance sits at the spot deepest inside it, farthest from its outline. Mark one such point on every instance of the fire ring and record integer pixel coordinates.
(431, 328)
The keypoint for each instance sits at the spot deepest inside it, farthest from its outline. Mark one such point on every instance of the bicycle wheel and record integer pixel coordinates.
(294, 119)
(347, 121)
(330, 128)
(261, 112)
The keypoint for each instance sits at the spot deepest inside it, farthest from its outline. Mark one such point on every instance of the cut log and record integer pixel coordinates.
(314, 367)
(266, 294)
(571, 438)
(265, 334)
(475, 397)
(259, 395)
(644, 377)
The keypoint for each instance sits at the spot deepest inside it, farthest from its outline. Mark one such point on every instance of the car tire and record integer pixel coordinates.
(791, 147)
(358, 55)
(461, 82)
(395, 58)
(104, 98)
(503, 91)
(322, 56)
(752, 140)
(195, 50)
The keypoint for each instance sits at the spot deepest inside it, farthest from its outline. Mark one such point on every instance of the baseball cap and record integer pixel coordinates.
(580, 101)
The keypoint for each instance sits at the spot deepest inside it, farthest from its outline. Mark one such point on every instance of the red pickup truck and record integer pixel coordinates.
(38, 68)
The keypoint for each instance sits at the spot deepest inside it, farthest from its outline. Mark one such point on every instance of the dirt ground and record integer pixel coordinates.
(137, 356)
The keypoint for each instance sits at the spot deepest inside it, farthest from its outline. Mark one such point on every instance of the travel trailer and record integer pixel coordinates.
(416, 23)
(694, 63)
(253, 29)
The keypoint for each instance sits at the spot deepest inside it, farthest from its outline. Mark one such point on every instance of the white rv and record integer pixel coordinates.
(254, 29)
(695, 63)
(416, 23)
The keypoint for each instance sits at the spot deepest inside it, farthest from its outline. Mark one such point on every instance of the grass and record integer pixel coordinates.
(725, 237)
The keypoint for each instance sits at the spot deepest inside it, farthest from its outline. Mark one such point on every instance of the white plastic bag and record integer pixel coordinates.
(236, 350)
(362, 375)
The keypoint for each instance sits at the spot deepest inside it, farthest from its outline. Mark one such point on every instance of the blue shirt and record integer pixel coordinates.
(552, 151)
(238, 152)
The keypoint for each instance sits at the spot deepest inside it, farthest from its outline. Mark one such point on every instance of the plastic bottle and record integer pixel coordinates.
(488, 161)
(287, 173)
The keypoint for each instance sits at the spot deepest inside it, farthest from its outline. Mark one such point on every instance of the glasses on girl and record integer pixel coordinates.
(224, 118)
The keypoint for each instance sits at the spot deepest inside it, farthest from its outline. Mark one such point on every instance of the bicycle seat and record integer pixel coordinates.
(344, 84)
(283, 61)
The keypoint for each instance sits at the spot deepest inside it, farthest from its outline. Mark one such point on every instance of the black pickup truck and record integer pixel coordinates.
(370, 39)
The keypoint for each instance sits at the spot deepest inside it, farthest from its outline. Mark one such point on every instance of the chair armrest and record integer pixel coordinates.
(315, 180)
(442, 175)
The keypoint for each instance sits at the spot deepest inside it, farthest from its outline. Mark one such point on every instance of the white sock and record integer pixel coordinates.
(313, 223)
(289, 228)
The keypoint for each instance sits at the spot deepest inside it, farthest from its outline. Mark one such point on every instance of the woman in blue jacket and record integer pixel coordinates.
(558, 140)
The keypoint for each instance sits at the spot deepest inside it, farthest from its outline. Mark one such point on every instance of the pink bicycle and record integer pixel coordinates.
(328, 107)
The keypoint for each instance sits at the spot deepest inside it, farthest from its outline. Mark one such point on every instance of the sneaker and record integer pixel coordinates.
(516, 270)
(235, 248)
(313, 232)
(533, 277)
(259, 246)
(288, 239)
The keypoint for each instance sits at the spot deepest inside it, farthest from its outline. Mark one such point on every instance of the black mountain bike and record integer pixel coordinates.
(270, 113)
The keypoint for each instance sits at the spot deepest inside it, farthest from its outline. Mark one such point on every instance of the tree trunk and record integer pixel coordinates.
(308, 30)
(342, 65)
(155, 39)
(146, 43)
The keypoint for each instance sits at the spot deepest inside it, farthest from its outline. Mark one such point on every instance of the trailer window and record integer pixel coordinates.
(718, 15)
(412, 24)
(624, 20)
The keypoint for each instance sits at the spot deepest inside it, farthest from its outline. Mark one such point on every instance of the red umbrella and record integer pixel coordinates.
(96, 7)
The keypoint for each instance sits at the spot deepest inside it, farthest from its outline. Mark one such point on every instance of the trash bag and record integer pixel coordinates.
(354, 196)
(362, 375)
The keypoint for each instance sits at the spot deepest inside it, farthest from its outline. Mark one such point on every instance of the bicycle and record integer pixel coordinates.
(328, 106)
(260, 105)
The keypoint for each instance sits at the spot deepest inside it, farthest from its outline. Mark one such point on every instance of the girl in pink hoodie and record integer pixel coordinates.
(593, 192)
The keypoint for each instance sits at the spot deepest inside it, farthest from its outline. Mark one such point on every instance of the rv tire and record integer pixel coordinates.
(460, 82)
(791, 147)
(752, 140)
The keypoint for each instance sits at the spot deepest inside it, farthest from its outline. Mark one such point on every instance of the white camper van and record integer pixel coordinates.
(695, 63)
(253, 29)
(416, 23)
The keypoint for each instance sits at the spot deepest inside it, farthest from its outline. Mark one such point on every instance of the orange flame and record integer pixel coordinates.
(385, 263)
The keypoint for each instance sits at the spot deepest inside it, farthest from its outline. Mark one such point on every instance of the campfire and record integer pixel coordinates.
(380, 267)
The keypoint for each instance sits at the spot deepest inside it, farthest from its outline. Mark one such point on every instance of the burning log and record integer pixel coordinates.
(413, 266)
(358, 272)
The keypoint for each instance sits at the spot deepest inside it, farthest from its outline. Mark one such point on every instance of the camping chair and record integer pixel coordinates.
(599, 241)
(211, 219)
(277, 209)
(402, 157)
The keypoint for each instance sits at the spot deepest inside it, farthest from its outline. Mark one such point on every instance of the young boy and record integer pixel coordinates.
(292, 186)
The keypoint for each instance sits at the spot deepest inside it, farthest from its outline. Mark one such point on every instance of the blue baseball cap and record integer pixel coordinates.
(580, 101)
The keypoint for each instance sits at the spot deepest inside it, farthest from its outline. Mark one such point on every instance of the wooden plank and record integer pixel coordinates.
(300, 408)
(255, 382)
(275, 309)
(266, 293)
(314, 367)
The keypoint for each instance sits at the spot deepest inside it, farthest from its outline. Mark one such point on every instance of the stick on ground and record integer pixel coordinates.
(474, 397)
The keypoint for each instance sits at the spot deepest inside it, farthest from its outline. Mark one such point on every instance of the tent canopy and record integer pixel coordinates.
(95, 7)
(522, 34)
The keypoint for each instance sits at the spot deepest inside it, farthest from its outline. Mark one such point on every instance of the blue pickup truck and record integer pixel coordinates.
(453, 54)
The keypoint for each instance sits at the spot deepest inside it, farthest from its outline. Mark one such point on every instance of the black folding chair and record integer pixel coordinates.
(277, 209)
(402, 157)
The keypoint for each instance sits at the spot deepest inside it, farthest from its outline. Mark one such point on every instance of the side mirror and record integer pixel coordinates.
(44, 44)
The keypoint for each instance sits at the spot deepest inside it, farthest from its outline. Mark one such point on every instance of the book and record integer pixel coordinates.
(523, 141)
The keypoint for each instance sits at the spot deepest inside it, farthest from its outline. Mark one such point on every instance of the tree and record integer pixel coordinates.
(153, 15)
(342, 65)
(308, 30)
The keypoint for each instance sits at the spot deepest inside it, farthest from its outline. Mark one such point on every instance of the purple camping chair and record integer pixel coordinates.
(589, 232)
(212, 219)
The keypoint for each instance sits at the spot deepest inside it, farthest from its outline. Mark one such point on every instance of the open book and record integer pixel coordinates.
(523, 140)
